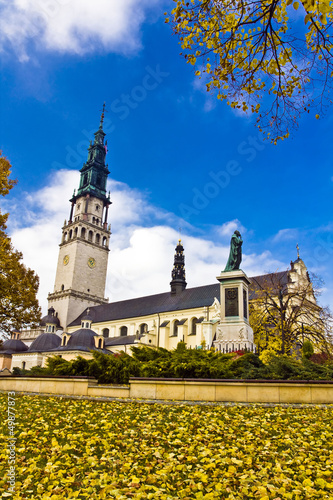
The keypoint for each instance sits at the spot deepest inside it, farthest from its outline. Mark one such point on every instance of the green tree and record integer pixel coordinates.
(18, 284)
(307, 349)
(251, 49)
(284, 314)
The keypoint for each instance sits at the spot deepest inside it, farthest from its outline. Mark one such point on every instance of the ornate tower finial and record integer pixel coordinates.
(102, 116)
(94, 172)
(297, 247)
(178, 283)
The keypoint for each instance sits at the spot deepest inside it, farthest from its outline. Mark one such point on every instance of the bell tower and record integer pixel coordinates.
(178, 283)
(84, 248)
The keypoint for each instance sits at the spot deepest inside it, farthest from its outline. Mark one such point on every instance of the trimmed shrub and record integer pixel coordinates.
(307, 349)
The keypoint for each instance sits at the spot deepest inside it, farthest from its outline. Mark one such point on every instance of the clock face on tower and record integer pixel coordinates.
(66, 260)
(91, 262)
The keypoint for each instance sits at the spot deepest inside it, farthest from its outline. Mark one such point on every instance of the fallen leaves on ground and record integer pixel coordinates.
(87, 449)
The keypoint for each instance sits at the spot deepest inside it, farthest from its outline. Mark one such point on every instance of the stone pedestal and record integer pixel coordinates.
(233, 331)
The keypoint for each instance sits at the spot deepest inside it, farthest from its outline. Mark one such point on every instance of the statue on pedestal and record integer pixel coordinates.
(235, 255)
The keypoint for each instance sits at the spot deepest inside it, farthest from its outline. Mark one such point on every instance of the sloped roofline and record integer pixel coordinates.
(190, 298)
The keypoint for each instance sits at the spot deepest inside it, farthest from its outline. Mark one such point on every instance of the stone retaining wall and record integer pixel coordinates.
(238, 391)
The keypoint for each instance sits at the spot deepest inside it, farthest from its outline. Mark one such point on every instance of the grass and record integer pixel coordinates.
(86, 449)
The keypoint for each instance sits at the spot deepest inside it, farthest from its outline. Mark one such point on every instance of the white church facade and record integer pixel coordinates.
(81, 320)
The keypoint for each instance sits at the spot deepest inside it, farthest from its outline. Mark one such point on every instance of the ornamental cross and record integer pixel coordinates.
(102, 115)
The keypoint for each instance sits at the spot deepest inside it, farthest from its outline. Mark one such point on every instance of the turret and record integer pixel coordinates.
(178, 283)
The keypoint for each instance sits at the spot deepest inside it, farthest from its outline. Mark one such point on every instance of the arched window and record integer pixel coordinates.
(106, 333)
(98, 239)
(62, 287)
(85, 179)
(100, 343)
(143, 328)
(65, 237)
(90, 236)
(175, 328)
(104, 241)
(83, 233)
(97, 208)
(75, 232)
(194, 326)
(70, 234)
(123, 331)
(94, 220)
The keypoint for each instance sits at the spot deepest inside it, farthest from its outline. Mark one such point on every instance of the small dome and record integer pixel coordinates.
(50, 318)
(13, 345)
(45, 342)
(82, 338)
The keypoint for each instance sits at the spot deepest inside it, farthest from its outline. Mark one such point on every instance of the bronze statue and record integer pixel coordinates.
(235, 255)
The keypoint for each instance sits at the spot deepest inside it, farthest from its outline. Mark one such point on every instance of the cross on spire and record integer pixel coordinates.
(297, 247)
(102, 115)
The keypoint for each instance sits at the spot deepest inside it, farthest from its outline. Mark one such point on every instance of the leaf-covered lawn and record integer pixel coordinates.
(87, 449)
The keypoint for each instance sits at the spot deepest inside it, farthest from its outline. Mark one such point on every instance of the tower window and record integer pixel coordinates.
(97, 208)
(98, 238)
(75, 232)
(104, 241)
(85, 179)
(83, 233)
(90, 236)
(62, 287)
(65, 237)
(70, 234)
(99, 180)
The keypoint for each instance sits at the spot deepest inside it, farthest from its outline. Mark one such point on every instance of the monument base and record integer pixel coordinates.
(234, 336)
(234, 332)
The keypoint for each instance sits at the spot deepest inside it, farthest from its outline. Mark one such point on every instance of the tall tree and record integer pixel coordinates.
(18, 284)
(269, 57)
(284, 314)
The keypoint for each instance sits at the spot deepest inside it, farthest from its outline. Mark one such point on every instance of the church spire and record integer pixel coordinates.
(94, 172)
(178, 283)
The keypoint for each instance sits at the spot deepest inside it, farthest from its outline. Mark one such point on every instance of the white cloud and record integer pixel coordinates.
(73, 26)
(285, 234)
(142, 242)
(228, 228)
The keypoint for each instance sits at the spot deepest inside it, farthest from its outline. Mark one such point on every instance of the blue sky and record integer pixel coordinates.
(177, 156)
